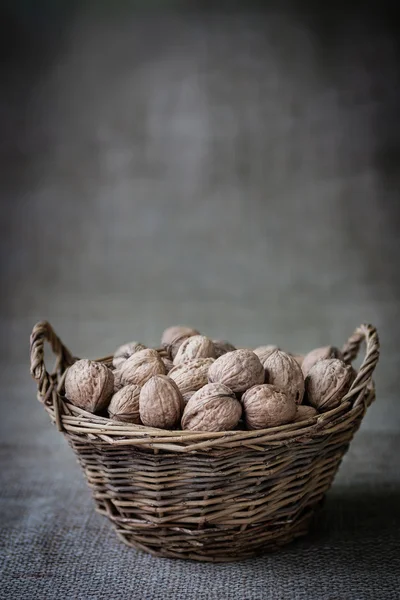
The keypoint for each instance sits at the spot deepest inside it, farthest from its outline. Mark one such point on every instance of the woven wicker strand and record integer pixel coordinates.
(218, 496)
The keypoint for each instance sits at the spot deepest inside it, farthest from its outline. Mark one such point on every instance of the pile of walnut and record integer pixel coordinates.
(194, 383)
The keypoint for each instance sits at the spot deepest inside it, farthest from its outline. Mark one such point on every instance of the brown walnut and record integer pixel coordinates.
(283, 371)
(239, 370)
(264, 351)
(160, 403)
(173, 337)
(191, 375)
(319, 354)
(89, 385)
(222, 347)
(168, 364)
(117, 380)
(124, 405)
(125, 351)
(212, 408)
(187, 395)
(138, 368)
(267, 406)
(305, 412)
(299, 358)
(327, 382)
(196, 346)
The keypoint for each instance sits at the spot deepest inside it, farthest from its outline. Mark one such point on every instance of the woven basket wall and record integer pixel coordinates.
(206, 496)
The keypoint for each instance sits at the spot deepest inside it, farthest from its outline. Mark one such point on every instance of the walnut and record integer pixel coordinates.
(125, 351)
(196, 346)
(191, 375)
(117, 380)
(239, 370)
(160, 403)
(168, 364)
(212, 408)
(267, 406)
(142, 365)
(327, 382)
(319, 354)
(173, 337)
(264, 351)
(163, 352)
(283, 371)
(187, 395)
(89, 385)
(304, 412)
(124, 405)
(299, 358)
(222, 347)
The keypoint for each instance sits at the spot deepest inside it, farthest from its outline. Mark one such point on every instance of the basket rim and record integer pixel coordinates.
(93, 429)
(112, 424)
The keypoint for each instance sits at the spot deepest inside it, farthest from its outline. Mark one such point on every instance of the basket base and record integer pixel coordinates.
(217, 544)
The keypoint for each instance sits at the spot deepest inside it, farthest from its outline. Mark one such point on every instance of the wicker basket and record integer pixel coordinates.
(206, 496)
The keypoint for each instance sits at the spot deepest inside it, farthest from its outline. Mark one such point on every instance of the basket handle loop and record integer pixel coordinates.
(350, 351)
(43, 332)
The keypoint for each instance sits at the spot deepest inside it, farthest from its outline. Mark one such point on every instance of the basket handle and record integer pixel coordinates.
(350, 351)
(43, 332)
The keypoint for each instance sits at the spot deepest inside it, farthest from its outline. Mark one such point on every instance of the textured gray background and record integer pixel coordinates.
(234, 172)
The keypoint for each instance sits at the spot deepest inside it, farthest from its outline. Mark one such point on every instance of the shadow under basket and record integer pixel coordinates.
(216, 497)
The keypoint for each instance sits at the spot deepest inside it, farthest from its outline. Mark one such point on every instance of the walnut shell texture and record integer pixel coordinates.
(283, 371)
(222, 347)
(264, 351)
(196, 346)
(168, 364)
(212, 408)
(191, 375)
(327, 382)
(187, 395)
(319, 354)
(304, 412)
(163, 352)
(124, 405)
(299, 358)
(160, 403)
(138, 368)
(239, 370)
(89, 385)
(267, 406)
(173, 337)
(117, 380)
(125, 351)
